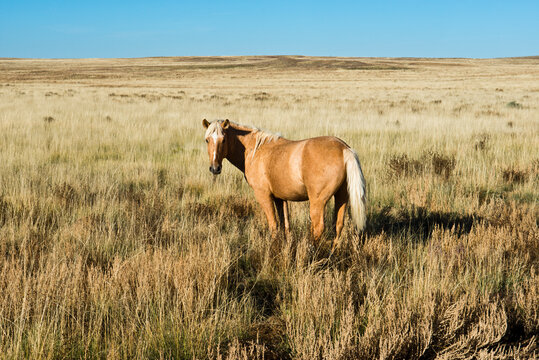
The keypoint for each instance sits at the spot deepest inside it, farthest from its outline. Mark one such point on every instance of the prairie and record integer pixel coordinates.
(116, 242)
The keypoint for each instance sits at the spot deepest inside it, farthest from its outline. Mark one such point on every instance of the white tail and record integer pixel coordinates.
(356, 188)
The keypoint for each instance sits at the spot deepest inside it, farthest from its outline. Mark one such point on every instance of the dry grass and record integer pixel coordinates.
(116, 242)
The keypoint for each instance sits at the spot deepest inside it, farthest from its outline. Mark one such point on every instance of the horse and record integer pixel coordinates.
(281, 170)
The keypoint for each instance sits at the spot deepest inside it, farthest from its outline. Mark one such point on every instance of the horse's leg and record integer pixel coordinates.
(317, 218)
(282, 210)
(266, 202)
(341, 200)
(286, 220)
(279, 204)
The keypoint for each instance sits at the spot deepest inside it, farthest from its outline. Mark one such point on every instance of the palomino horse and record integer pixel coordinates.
(281, 170)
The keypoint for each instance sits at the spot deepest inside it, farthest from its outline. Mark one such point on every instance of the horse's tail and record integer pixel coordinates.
(356, 188)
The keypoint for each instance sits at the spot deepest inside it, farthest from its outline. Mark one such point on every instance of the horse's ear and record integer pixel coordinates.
(205, 123)
(226, 123)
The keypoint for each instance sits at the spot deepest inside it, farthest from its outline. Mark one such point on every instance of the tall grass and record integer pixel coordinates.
(116, 241)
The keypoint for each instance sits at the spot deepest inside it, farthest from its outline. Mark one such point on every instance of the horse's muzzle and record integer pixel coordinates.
(215, 170)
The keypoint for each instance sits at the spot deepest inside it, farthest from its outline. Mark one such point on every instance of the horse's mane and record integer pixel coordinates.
(213, 128)
(262, 136)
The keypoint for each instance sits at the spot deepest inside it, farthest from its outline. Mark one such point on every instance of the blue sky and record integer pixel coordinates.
(90, 29)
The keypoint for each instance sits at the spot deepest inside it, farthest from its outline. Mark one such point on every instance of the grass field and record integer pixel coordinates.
(116, 242)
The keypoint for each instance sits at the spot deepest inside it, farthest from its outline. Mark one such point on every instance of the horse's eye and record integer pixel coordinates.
(207, 141)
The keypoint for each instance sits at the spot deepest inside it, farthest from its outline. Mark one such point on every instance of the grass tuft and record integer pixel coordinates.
(513, 105)
(514, 175)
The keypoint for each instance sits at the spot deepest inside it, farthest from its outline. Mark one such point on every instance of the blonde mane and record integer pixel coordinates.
(261, 136)
(214, 129)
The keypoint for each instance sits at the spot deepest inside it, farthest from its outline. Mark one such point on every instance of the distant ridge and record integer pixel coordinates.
(166, 68)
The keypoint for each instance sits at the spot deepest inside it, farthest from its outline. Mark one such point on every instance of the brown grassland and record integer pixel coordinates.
(116, 242)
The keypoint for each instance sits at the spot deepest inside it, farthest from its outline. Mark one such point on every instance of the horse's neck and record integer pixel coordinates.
(244, 143)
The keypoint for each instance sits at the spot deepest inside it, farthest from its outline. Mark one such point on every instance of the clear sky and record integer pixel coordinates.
(90, 29)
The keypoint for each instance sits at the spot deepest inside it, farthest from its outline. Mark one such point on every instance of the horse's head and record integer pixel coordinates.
(216, 140)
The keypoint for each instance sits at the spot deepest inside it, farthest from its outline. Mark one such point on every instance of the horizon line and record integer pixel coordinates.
(531, 57)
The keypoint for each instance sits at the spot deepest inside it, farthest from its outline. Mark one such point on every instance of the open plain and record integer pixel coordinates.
(116, 242)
